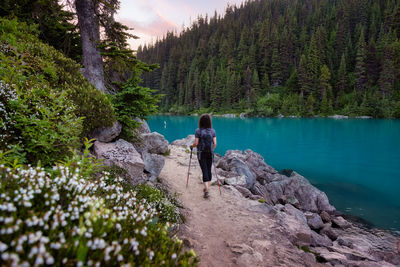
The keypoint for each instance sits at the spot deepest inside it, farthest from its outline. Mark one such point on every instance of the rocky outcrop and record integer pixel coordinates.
(122, 154)
(153, 164)
(263, 180)
(339, 117)
(185, 142)
(298, 214)
(155, 143)
(144, 127)
(107, 134)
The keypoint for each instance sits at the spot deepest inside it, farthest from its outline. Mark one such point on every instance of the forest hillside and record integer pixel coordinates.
(301, 57)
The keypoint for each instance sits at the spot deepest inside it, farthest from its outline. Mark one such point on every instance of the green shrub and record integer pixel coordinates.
(65, 218)
(61, 74)
(167, 210)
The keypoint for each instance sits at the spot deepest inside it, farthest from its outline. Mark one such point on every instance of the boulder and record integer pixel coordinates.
(310, 198)
(122, 154)
(328, 231)
(296, 213)
(295, 227)
(318, 240)
(144, 127)
(284, 199)
(185, 142)
(228, 115)
(107, 134)
(338, 117)
(244, 191)
(325, 216)
(153, 163)
(238, 180)
(340, 222)
(314, 220)
(155, 143)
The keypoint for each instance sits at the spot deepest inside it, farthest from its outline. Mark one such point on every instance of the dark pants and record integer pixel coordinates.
(205, 160)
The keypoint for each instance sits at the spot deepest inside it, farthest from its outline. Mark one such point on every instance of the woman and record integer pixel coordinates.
(205, 141)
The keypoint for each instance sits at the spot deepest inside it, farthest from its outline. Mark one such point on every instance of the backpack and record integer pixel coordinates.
(205, 140)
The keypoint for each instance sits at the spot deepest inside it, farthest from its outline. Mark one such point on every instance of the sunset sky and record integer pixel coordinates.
(153, 18)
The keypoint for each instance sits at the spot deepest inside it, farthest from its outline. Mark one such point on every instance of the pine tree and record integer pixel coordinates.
(360, 70)
(276, 68)
(255, 86)
(342, 79)
(265, 85)
(313, 64)
(324, 84)
(305, 78)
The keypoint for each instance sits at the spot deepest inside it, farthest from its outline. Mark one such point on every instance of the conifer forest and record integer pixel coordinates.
(290, 57)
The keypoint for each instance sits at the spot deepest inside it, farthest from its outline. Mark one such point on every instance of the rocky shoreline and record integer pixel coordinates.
(302, 211)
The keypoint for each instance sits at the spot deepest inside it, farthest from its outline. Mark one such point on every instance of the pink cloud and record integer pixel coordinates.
(158, 27)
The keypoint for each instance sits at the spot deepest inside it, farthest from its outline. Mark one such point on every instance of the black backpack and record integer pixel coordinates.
(205, 140)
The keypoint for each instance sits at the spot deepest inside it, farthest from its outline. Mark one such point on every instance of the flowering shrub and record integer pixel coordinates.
(62, 217)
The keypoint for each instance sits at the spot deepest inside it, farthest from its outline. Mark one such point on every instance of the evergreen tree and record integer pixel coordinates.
(360, 70)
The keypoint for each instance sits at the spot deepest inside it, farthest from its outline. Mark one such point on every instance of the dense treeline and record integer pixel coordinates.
(295, 57)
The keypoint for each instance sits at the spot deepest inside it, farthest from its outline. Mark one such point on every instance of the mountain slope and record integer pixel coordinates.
(316, 56)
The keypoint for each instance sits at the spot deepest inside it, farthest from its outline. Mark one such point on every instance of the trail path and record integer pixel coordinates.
(224, 230)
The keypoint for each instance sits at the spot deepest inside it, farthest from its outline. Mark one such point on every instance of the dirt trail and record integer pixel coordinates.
(223, 230)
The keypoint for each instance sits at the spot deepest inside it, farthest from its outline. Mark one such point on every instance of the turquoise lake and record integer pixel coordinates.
(355, 162)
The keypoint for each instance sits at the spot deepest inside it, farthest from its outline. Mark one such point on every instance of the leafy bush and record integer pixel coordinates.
(133, 101)
(57, 73)
(64, 217)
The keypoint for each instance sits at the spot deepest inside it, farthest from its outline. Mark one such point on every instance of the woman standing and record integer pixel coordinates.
(205, 141)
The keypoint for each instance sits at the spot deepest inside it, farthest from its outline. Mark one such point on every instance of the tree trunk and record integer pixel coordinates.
(90, 36)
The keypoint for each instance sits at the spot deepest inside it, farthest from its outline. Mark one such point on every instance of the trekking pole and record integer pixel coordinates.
(216, 175)
(187, 182)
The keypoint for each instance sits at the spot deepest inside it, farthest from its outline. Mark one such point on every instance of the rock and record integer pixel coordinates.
(296, 213)
(242, 115)
(363, 117)
(244, 191)
(144, 127)
(107, 134)
(280, 116)
(314, 220)
(263, 208)
(325, 217)
(331, 257)
(338, 117)
(228, 116)
(122, 154)
(284, 199)
(309, 197)
(318, 240)
(238, 180)
(340, 222)
(327, 230)
(261, 245)
(153, 163)
(294, 225)
(185, 142)
(344, 242)
(155, 143)
(253, 259)
(240, 248)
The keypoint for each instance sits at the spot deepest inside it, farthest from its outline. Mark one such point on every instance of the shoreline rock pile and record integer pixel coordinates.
(304, 213)
(142, 161)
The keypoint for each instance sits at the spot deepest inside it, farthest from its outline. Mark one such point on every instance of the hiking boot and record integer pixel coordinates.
(206, 194)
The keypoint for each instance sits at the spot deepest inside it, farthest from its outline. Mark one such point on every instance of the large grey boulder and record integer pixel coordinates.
(144, 127)
(122, 154)
(234, 161)
(155, 143)
(314, 220)
(185, 142)
(153, 163)
(107, 134)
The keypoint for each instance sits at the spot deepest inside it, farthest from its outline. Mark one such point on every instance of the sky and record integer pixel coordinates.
(151, 19)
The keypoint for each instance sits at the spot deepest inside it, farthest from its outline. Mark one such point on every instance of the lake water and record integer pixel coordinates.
(355, 162)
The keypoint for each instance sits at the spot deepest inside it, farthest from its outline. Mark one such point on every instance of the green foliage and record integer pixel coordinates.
(46, 104)
(299, 51)
(261, 200)
(156, 198)
(66, 217)
(44, 64)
